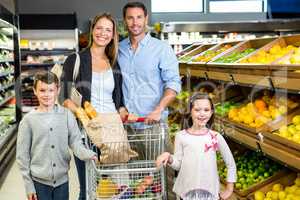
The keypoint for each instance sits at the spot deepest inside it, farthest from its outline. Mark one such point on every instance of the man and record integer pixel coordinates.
(149, 68)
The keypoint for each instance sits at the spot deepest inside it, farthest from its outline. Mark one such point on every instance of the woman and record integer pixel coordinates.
(99, 80)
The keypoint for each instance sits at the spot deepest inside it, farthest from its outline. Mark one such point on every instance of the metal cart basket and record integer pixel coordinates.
(137, 179)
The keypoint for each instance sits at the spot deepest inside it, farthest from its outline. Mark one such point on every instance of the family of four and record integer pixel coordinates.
(137, 77)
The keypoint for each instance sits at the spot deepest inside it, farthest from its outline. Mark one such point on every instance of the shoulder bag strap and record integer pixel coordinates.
(76, 67)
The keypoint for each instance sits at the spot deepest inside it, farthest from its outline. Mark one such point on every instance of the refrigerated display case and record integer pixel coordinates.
(9, 84)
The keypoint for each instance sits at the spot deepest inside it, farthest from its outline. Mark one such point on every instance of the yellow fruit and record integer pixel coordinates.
(277, 187)
(274, 196)
(248, 119)
(269, 194)
(296, 119)
(282, 109)
(266, 113)
(281, 195)
(259, 195)
(106, 188)
(275, 113)
(297, 127)
(297, 192)
(293, 189)
(233, 113)
(283, 129)
(296, 138)
(297, 181)
(292, 129)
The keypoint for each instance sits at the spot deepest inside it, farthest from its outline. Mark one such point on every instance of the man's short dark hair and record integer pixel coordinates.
(134, 5)
(45, 77)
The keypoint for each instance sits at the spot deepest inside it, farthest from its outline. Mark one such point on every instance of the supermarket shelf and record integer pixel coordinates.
(6, 73)
(7, 136)
(3, 61)
(47, 52)
(6, 47)
(7, 86)
(39, 64)
(255, 75)
(6, 100)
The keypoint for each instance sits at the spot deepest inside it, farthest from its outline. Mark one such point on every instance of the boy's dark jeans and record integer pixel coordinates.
(46, 192)
(80, 166)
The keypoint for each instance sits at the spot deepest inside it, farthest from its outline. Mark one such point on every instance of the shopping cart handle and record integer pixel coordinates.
(140, 119)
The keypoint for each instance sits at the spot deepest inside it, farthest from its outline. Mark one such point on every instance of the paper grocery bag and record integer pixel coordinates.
(107, 132)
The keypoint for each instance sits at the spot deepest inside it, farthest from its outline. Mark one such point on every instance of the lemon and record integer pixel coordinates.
(269, 194)
(277, 187)
(297, 181)
(296, 119)
(298, 127)
(259, 195)
(281, 195)
(293, 189)
(274, 196)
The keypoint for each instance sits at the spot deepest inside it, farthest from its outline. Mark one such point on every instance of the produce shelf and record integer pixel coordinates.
(6, 100)
(7, 135)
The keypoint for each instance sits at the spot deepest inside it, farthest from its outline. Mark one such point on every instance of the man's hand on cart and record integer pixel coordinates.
(32, 196)
(165, 158)
(153, 117)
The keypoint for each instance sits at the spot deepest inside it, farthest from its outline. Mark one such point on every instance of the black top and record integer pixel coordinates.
(84, 78)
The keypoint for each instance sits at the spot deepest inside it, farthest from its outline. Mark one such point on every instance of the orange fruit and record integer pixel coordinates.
(260, 104)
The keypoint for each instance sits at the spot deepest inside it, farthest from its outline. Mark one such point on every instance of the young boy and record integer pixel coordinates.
(44, 137)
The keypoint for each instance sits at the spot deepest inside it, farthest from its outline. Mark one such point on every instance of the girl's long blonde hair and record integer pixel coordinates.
(111, 50)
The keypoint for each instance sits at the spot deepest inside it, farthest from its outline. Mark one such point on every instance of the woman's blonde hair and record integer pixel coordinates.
(111, 49)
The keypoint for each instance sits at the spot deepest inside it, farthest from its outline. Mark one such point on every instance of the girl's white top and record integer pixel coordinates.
(102, 91)
(195, 158)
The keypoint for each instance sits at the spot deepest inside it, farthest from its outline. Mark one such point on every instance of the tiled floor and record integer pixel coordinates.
(13, 188)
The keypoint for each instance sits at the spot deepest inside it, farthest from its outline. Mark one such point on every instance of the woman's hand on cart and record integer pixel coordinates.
(224, 195)
(165, 158)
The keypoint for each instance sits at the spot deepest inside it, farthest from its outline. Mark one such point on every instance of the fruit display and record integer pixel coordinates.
(293, 58)
(209, 54)
(222, 109)
(279, 191)
(262, 110)
(252, 168)
(234, 56)
(267, 57)
(185, 58)
(291, 131)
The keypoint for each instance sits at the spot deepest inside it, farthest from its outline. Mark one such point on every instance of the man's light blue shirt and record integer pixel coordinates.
(147, 72)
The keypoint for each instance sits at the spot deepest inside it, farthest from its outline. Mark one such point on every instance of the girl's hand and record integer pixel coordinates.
(164, 158)
(32, 196)
(227, 192)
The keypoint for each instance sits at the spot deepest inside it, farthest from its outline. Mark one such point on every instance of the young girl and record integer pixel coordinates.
(195, 155)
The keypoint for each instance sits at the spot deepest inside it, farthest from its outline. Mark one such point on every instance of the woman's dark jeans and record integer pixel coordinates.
(80, 166)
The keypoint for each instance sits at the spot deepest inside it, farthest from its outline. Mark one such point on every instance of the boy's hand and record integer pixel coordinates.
(94, 158)
(227, 192)
(32, 196)
(164, 158)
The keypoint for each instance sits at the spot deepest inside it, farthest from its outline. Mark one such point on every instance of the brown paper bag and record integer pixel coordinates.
(107, 132)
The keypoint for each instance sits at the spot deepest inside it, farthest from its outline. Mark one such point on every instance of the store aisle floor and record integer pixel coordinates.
(13, 187)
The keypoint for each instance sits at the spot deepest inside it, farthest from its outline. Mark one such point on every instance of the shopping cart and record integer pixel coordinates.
(137, 179)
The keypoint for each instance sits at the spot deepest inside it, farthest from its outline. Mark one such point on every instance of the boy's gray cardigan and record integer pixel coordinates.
(43, 145)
